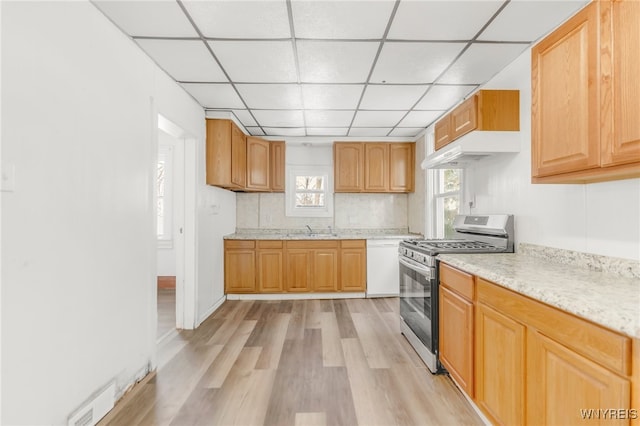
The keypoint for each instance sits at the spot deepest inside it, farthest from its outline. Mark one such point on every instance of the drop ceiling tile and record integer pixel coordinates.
(406, 131)
(271, 96)
(377, 118)
(257, 61)
(443, 97)
(245, 117)
(255, 131)
(529, 20)
(240, 19)
(327, 131)
(420, 118)
(133, 18)
(184, 60)
(481, 62)
(335, 62)
(214, 95)
(370, 131)
(421, 62)
(284, 131)
(392, 96)
(441, 20)
(280, 118)
(324, 118)
(337, 96)
(341, 19)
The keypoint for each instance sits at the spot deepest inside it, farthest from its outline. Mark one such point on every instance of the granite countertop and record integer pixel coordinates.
(606, 298)
(337, 234)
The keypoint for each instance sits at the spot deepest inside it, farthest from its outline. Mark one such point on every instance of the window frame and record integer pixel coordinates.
(290, 190)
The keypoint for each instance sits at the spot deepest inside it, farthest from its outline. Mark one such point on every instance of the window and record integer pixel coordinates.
(309, 191)
(163, 196)
(447, 190)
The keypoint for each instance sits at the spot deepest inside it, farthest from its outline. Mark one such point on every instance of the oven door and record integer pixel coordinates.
(418, 301)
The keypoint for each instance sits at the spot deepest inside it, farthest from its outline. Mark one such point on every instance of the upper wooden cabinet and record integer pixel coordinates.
(348, 162)
(277, 166)
(585, 97)
(241, 163)
(374, 167)
(497, 110)
(258, 164)
(226, 155)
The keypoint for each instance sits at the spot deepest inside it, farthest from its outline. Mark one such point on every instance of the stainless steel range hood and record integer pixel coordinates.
(472, 148)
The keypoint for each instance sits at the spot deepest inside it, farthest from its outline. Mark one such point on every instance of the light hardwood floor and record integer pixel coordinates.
(307, 362)
(166, 311)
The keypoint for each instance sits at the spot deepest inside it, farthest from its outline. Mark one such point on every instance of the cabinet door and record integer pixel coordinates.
(325, 270)
(562, 385)
(565, 110)
(218, 152)
(443, 132)
(500, 366)
(239, 271)
(401, 167)
(270, 273)
(621, 143)
(376, 167)
(456, 338)
(257, 164)
(465, 117)
(238, 157)
(298, 270)
(348, 163)
(276, 169)
(353, 266)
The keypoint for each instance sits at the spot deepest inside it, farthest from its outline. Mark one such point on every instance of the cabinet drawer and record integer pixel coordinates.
(458, 281)
(603, 346)
(353, 244)
(269, 244)
(239, 244)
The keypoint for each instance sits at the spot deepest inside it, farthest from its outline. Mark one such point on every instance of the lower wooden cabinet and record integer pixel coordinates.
(295, 266)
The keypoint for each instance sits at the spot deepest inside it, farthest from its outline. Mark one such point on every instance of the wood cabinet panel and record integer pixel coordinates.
(348, 164)
(458, 281)
(402, 167)
(464, 117)
(239, 271)
(226, 155)
(376, 169)
(456, 338)
(353, 266)
(270, 270)
(443, 132)
(298, 270)
(325, 270)
(277, 168)
(258, 160)
(561, 383)
(238, 157)
(500, 366)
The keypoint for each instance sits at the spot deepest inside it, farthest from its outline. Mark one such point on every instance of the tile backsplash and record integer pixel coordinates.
(351, 211)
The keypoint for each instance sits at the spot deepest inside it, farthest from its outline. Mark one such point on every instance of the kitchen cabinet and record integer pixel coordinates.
(487, 110)
(348, 165)
(353, 265)
(298, 270)
(269, 266)
(456, 326)
(258, 162)
(239, 266)
(312, 265)
(585, 97)
(374, 167)
(324, 275)
(226, 155)
(276, 169)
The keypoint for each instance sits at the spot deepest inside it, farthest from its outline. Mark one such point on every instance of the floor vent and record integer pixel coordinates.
(95, 408)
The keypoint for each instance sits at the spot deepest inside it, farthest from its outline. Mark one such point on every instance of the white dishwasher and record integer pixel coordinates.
(383, 274)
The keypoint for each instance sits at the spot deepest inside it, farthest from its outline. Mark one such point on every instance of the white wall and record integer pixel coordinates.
(601, 218)
(416, 200)
(78, 246)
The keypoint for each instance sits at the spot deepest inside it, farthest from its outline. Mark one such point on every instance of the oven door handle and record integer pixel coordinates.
(424, 270)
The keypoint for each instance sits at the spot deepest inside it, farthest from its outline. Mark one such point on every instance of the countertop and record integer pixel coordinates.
(605, 298)
(324, 234)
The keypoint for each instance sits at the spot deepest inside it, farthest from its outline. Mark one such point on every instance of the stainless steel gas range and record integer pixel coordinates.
(419, 275)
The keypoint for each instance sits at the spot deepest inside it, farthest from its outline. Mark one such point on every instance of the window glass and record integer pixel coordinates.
(447, 202)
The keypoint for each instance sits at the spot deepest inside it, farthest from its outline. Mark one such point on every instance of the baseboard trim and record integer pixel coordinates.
(295, 296)
(371, 296)
(211, 310)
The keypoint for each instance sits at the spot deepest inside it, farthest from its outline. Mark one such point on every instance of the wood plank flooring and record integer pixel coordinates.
(166, 311)
(303, 362)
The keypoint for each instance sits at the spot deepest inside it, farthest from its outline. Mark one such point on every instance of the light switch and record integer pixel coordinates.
(8, 178)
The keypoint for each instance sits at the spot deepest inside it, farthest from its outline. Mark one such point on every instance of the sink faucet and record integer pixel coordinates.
(310, 230)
